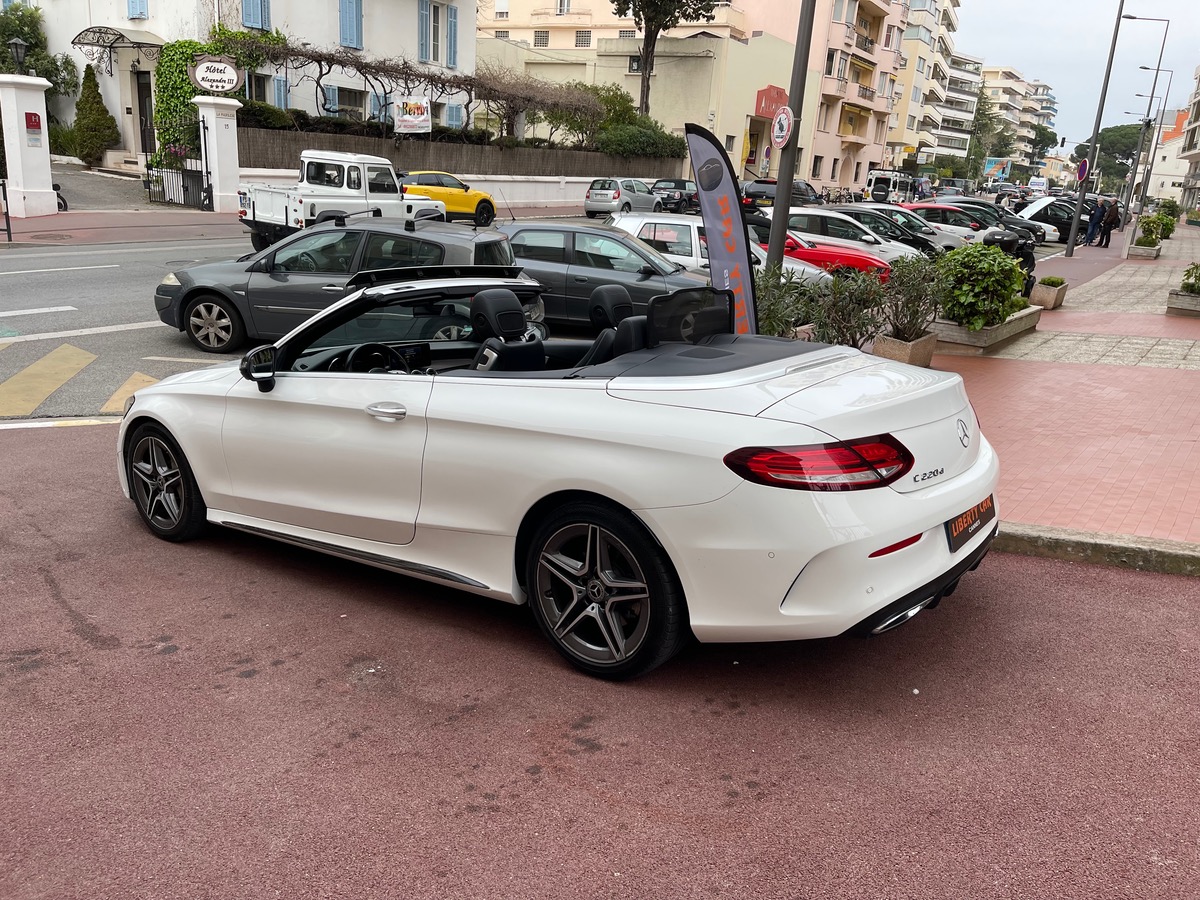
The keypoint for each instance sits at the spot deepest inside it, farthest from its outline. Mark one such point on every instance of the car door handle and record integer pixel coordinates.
(334, 288)
(581, 279)
(387, 412)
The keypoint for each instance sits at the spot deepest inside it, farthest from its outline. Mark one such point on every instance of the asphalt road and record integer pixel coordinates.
(236, 718)
(87, 190)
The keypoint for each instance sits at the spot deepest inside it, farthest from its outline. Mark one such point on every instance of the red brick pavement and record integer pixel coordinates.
(1096, 448)
(1132, 324)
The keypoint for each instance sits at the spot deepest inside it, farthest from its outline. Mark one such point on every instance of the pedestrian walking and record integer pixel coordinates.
(1112, 218)
(1094, 221)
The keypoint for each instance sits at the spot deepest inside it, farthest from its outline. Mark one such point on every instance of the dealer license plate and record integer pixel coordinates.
(963, 527)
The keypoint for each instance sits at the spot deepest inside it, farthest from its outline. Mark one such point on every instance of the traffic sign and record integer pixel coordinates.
(781, 127)
(1083, 170)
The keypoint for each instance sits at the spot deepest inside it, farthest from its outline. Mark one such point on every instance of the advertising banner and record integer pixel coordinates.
(996, 169)
(414, 115)
(721, 209)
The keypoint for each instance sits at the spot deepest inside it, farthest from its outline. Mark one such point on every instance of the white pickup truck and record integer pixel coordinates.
(331, 185)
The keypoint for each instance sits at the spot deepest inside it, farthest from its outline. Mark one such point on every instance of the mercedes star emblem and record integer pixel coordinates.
(964, 433)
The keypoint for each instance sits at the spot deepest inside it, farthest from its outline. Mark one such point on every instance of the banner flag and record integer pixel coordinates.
(413, 115)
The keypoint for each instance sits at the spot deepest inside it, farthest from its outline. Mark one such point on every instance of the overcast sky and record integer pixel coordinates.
(1066, 43)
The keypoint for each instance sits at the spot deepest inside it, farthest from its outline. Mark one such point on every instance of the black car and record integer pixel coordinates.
(677, 194)
(264, 295)
(997, 215)
(886, 227)
(760, 193)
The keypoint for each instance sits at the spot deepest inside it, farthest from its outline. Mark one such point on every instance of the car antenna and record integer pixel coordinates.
(507, 208)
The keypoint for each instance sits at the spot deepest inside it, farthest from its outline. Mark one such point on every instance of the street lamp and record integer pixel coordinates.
(17, 48)
(1149, 103)
(1071, 238)
(1157, 134)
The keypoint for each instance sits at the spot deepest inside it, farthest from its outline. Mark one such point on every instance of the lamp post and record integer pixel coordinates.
(1157, 135)
(1149, 102)
(1147, 124)
(17, 48)
(1074, 235)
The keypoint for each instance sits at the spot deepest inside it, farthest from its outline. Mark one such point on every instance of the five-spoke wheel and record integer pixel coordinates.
(162, 485)
(604, 592)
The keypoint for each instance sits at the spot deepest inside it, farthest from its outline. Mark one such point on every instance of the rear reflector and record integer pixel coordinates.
(892, 548)
(843, 466)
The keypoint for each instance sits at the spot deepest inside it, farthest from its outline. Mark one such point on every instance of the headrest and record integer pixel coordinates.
(497, 312)
(609, 304)
(632, 334)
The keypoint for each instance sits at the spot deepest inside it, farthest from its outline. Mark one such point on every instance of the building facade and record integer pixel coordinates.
(957, 111)
(923, 81)
(1189, 150)
(1170, 168)
(122, 39)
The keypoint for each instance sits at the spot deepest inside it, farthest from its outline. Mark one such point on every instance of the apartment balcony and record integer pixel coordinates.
(726, 13)
(934, 92)
(856, 138)
(926, 138)
(875, 7)
(961, 89)
(949, 18)
(573, 15)
(831, 86)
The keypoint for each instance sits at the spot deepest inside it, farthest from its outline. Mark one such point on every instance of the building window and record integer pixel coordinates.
(137, 9)
(635, 65)
(823, 117)
(502, 35)
(857, 171)
(729, 142)
(437, 32)
(255, 13)
(921, 64)
(843, 61)
(818, 161)
(830, 61)
(627, 34)
(912, 123)
(583, 39)
(562, 7)
(501, 9)
(349, 23)
(834, 170)
(258, 87)
(541, 39)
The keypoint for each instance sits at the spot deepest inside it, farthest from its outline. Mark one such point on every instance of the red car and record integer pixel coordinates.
(829, 257)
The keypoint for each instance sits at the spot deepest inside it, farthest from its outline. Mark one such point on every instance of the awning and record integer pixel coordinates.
(98, 42)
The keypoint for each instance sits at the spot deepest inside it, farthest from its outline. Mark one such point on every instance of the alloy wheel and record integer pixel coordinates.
(211, 325)
(157, 483)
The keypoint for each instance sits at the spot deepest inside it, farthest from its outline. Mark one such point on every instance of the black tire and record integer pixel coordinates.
(62, 203)
(625, 207)
(604, 592)
(162, 485)
(657, 207)
(259, 241)
(213, 325)
(591, 214)
(485, 214)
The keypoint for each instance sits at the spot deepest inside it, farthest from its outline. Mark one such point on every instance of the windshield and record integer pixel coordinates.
(660, 262)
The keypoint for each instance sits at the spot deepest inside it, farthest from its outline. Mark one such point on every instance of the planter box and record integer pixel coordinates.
(954, 338)
(1136, 252)
(1181, 303)
(1193, 221)
(1048, 297)
(915, 353)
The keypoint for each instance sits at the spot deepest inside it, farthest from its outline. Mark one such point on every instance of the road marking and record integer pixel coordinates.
(79, 332)
(58, 423)
(163, 248)
(64, 269)
(34, 312)
(184, 359)
(24, 392)
(116, 403)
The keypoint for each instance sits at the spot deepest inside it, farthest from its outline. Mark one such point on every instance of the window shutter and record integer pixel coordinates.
(266, 14)
(346, 22)
(452, 36)
(423, 30)
(137, 9)
(252, 13)
(331, 99)
(281, 91)
(454, 115)
(358, 17)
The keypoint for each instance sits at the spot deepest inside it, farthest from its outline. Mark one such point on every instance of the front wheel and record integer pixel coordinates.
(259, 241)
(162, 485)
(485, 213)
(658, 207)
(213, 325)
(604, 592)
(591, 214)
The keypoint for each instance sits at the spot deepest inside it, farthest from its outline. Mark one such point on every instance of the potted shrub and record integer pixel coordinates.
(781, 303)
(1193, 217)
(1186, 300)
(1049, 292)
(846, 310)
(912, 298)
(984, 306)
(1147, 245)
(1166, 225)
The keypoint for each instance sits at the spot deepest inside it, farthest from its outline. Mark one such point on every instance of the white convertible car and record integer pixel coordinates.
(668, 479)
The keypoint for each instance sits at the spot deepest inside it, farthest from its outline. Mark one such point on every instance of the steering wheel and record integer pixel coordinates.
(306, 262)
(372, 357)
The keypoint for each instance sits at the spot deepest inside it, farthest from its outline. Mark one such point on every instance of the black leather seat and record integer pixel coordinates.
(608, 306)
(632, 334)
(497, 316)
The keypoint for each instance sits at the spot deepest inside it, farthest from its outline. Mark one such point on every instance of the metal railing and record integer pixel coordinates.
(866, 93)
(862, 42)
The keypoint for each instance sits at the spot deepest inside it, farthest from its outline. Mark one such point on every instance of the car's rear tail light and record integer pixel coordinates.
(843, 466)
(617, 194)
(588, 195)
(892, 548)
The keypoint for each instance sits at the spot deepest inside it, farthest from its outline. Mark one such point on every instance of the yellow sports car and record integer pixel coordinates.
(461, 202)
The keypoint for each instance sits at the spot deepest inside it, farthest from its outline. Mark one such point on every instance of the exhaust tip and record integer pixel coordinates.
(897, 619)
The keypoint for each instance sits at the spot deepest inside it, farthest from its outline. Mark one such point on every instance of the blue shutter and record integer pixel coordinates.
(137, 9)
(266, 14)
(452, 36)
(331, 100)
(350, 23)
(5, 4)
(423, 30)
(454, 115)
(281, 91)
(252, 13)
(358, 17)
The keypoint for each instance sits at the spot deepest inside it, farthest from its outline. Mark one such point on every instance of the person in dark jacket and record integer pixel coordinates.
(1094, 221)
(1112, 218)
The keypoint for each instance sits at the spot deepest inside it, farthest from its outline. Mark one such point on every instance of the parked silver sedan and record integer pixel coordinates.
(610, 195)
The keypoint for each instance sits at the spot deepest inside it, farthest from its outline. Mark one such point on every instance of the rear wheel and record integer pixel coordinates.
(213, 325)
(259, 241)
(485, 213)
(625, 207)
(162, 485)
(657, 207)
(591, 214)
(604, 592)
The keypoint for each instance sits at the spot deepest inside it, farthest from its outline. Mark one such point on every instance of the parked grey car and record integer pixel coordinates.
(265, 295)
(571, 261)
(610, 195)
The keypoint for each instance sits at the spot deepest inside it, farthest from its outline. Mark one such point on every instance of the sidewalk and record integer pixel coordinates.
(1096, 415)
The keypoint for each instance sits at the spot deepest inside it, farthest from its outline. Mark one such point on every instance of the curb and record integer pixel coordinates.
(1121, 550)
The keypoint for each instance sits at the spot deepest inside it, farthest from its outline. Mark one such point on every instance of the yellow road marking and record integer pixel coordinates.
(29, 388)
(116, 403)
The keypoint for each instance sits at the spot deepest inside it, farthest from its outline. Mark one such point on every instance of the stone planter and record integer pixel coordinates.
(915, 353)
(1181, 303)
(954, 338)
(1048, 297)
(1136, 252)
(1193, 221)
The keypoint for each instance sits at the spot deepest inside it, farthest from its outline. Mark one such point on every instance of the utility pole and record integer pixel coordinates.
(787, 159)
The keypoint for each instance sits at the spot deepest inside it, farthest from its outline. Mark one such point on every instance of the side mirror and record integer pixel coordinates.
(647, 270)
(259, 366)
(790, 244)
(928, 230)
(466, 187)
(869, 239)
(261, 265)
(974, 226)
